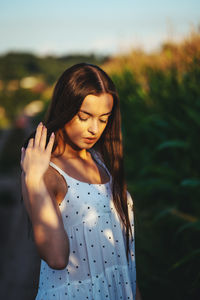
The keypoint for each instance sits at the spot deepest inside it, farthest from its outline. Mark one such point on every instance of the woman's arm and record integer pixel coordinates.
(138, 295)
(132, 244)
(49, 233)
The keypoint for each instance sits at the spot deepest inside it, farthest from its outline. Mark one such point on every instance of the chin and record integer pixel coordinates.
(88, 146)
(83, 146)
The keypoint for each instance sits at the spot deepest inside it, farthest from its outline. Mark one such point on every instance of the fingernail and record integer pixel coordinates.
(52, 134)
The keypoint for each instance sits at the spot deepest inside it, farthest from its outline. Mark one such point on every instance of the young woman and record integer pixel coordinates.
(74, 191)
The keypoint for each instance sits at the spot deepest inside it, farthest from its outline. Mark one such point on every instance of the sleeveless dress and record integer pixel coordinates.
(98, 267)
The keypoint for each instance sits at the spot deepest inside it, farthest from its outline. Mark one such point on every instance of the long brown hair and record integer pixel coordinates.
(70, 90)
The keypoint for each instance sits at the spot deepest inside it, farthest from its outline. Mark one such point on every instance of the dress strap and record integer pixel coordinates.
(98, 159)
(60, 171)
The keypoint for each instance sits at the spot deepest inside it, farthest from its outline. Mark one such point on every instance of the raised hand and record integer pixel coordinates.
(36, 157)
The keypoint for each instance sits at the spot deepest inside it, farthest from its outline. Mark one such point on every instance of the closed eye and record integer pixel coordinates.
(82, 119)
(85, 119)
(104, 121)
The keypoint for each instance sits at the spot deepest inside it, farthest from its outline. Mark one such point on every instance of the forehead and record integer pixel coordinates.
(97, 105)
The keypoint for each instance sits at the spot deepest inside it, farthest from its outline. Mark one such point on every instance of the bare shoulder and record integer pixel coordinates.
(55, 184)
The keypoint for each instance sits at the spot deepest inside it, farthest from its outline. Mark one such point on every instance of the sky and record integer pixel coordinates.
(47, 27)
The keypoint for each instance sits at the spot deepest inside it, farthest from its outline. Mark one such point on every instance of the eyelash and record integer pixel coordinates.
(81, 119)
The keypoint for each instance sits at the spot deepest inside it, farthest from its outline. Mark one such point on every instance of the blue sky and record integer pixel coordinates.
(104, 27)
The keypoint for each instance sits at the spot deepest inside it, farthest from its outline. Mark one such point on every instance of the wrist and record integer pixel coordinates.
(33, 181)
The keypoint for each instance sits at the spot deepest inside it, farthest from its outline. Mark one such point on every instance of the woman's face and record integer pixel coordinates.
(88, 124)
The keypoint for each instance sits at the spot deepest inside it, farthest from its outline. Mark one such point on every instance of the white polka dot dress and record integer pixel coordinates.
(98, 267)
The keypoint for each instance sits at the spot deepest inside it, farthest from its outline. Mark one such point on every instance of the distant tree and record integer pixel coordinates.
(18, 65)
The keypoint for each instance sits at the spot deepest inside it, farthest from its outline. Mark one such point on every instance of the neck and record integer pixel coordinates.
(70, 152)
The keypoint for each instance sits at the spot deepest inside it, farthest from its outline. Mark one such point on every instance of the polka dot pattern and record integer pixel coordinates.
(97, 267)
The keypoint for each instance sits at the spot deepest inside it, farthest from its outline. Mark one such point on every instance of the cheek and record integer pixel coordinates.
(75, 130)
(102, 128)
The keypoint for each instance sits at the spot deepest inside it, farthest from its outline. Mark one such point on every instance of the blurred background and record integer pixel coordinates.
(151, 50)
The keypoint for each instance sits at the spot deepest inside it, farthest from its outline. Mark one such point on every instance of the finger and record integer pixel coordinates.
(50, 143)
(43, 138)
(38, 134)
(22, 157)
(30, 143)
(22, 154)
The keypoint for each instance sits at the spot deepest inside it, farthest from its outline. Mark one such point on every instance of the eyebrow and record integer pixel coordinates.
(108, 113)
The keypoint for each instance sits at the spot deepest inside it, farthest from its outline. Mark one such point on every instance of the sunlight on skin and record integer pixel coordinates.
(48, 220)
(89, 122)
(48, 217)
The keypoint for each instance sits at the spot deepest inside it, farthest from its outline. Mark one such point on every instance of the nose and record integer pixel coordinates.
(93, 128)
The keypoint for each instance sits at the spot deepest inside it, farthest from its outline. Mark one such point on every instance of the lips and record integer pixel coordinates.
(90, 140)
